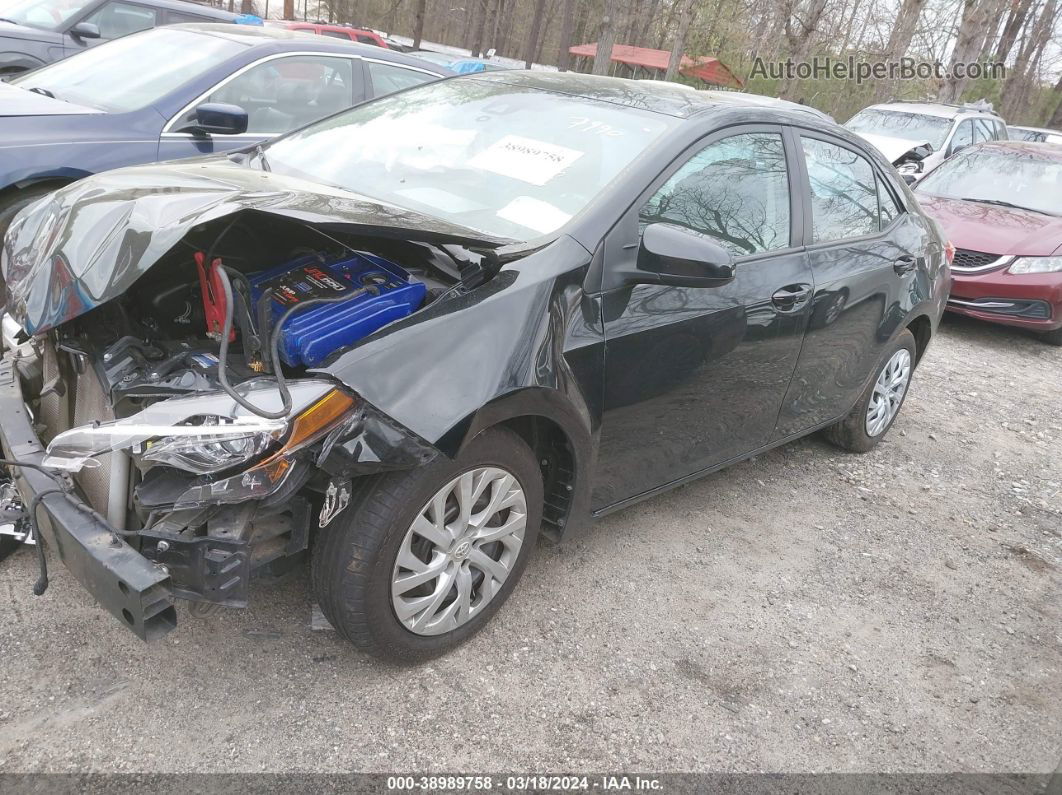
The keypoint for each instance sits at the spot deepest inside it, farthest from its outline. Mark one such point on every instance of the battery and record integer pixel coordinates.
(311, 335)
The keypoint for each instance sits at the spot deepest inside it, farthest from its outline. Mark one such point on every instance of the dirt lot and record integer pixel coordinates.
(804, 611)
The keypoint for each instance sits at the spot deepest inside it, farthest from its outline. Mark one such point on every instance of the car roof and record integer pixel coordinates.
(1041, 148)
(658, 96)
(1034, 129)
(940, 109)
(257, 35)
(191, 8)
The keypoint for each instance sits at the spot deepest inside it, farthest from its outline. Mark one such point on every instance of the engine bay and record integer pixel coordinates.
(292, 299)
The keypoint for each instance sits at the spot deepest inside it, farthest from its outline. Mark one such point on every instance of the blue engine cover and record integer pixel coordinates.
(310, 335)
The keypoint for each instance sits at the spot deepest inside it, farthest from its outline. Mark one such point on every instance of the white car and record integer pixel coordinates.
(1035, 134)
(898, 128)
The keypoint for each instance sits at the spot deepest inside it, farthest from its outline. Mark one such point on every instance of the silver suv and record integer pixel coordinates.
(898, 129)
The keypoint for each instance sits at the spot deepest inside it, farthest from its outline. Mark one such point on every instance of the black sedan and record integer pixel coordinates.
(415, 336)
(197, 89)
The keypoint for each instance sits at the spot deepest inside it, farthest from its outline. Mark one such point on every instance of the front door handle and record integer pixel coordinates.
(904, 265)
(791, 297)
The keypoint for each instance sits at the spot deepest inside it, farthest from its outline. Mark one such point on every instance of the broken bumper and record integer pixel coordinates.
(133, 589)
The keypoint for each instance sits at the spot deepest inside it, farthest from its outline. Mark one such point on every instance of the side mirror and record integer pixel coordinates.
(85, 30)
(956, 148)
(675, 255)
(217, 118)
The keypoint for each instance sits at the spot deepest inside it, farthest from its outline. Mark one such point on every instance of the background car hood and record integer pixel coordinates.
(88, 242)
(15, 101)
(892, 148)
(10, 30)
(992, 229)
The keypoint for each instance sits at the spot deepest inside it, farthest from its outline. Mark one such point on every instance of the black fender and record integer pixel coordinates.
(526, 343)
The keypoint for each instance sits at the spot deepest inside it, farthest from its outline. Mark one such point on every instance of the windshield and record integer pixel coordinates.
(914, 127)
(1014, 177)
(506, 160)
(165, 59)
(46, 14)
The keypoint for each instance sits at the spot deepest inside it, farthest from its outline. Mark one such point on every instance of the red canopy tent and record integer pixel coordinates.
(710, 70)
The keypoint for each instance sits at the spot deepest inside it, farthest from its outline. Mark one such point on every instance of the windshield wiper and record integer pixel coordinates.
(1002, 203)
(259, 152)
(43, 91)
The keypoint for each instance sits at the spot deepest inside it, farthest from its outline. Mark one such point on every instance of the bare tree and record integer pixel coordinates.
(800, 26)
(1023, 73)
(606, 39)
(970, 40)
(418, 23)
(289, 9)
(564, 58)
(1019, 12)
(679, 44)
(536, 31)
(1055, 122)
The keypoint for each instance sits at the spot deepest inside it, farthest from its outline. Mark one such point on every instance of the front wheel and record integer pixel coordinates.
(1052, 337)
(878, 407)
(423, 559)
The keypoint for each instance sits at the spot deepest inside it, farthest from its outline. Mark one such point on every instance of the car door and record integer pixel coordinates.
(694, 376)
(279, 93)
(864, 249)
(114, 20)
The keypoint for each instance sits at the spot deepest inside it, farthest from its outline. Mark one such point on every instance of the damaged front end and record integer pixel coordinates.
(180, 393)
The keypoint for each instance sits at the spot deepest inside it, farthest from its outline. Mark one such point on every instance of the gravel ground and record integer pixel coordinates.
(803, 611)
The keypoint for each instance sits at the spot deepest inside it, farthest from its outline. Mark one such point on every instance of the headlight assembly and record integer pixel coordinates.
(910, 167)
(1036, 265)
(202, 434)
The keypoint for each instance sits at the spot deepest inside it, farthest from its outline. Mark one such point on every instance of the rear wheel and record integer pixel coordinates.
(877, 409)
(424, 558)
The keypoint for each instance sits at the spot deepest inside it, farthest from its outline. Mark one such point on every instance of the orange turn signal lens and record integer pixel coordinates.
(322, 416)
(949, 252)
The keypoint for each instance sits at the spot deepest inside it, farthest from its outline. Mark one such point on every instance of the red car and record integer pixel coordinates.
(1000, 204)
(335, 31)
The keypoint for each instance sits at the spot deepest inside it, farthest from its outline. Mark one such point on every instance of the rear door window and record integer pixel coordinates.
(844, 191)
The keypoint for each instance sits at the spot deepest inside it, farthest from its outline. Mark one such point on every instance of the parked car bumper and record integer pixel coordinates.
(133, 589)
(1032, 301)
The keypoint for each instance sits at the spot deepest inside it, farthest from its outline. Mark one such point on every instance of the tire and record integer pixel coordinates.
(1052, 337)
(852, 433)
(8, 546)
(356, 559)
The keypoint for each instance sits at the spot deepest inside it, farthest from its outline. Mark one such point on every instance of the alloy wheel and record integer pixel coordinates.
(889, 390)
(459, 551)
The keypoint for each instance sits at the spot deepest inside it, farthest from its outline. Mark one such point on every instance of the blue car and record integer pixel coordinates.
(37, 32)
(179, 91)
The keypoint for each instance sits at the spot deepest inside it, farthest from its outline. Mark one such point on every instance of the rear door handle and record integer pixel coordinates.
(904, 265)
(791, 297)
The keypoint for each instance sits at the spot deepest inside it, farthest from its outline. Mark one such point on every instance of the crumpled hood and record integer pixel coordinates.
(892, 148)
(88, 242)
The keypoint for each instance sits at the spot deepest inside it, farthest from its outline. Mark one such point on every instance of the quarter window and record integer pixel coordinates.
(844, 196)
(120, 19)
(285, 93)
(736, 190)
(388, 78)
